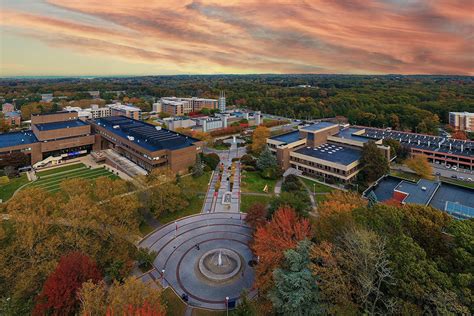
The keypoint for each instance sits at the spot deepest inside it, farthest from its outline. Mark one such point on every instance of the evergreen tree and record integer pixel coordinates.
(266, 159)
(295, 291)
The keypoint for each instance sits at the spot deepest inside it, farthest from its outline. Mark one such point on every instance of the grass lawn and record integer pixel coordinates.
(194, 207)
(51, 180)
(251, 181)
(405, 175)
(145, 229)
(175, 306)
(320, 188)
(459, 182)
(321, 198)
(247, 200)
(7, 190)
(60, 169)
(198, 184)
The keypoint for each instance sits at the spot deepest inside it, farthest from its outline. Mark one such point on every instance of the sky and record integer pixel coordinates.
(165, 37)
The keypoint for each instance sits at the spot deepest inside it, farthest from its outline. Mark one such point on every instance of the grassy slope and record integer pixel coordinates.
(7, 190)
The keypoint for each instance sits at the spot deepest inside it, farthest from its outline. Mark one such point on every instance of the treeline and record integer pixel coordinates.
(416, 103)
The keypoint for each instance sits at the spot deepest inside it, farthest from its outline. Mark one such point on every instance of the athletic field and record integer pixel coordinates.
(50, 180)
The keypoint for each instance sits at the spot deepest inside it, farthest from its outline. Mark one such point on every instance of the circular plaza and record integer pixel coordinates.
(204, 258)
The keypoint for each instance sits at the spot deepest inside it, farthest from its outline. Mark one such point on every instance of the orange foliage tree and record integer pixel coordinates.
(283, 232)
(335, 212)
(459, 135)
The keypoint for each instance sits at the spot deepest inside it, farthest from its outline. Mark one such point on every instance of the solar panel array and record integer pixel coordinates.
(328, 148)
(148, 134)
(434, 143)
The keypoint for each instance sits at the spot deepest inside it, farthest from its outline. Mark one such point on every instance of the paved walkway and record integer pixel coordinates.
(178, 256)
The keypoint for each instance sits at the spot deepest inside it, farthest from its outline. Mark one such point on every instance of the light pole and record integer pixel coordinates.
(163, 277)
(227, 305)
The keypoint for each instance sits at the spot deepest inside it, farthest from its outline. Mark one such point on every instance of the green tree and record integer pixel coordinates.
(245, 307)
(295, 291)
(197, 168)
(299, 201)
(373, 163)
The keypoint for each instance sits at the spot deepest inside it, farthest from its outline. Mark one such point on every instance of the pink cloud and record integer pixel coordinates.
(254, 36)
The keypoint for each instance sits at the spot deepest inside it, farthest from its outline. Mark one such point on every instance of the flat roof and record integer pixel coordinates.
(147, 136)
(17, 138)
(318, 126)
(287, 138)
(426, 142)
(348, 133)
(419, 192)
(333, 153)
(60, 125)
(441, 194)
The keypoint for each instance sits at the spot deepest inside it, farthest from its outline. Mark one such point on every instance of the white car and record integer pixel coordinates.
(448, 166)
(469, 179)
(454, 168)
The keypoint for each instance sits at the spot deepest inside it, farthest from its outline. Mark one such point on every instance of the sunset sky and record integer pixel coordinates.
(148, 37)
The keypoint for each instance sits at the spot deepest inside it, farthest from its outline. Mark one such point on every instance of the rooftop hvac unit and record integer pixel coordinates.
(131, 138)
(423, 188)
(158, 128)
(116, 126)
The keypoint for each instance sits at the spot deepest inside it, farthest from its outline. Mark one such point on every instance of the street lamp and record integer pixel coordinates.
(227, 305)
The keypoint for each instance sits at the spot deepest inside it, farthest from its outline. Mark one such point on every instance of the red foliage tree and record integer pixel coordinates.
(283, 232)
(459, 135)
(144, 310)
(256, 215)
(59, 293)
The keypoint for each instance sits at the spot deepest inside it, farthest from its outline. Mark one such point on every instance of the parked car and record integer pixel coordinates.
(454, 176)
(469, 179)
(448, 166)
(454, 168)
(438, 173)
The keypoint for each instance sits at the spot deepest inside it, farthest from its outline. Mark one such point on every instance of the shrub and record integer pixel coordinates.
(212, 160)
(271, 173)
(248, 160)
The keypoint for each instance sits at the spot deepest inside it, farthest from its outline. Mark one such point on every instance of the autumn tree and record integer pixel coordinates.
(459, 135)
(420, 165)
(59, 294)
(283, 232)
(259, 138)
(335, 213)
(132, 297)
(335, 287)
(295, 291)
(256, 215)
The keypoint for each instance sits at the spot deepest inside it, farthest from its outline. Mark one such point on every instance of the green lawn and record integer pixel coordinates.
(321, 198)
(459, 182)
(251, 181)
(60, 169)
(198, 184)
(174, 305)
(318, 187)
(7, 190)
(248, 200)
(52, 181)
(405, 175)
(194, 207)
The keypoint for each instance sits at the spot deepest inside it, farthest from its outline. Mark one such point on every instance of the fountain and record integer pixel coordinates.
(219, 265)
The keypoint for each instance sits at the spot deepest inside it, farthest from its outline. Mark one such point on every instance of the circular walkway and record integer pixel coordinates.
(178, 255)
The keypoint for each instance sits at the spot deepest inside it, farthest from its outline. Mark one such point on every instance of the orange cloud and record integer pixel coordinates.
(326, 36)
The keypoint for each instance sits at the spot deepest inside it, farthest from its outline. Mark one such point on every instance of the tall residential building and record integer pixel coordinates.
(118, 109)
(222, 102)
(463, 121)
(183, 106)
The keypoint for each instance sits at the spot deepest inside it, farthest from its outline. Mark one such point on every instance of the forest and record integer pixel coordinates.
(411, 103)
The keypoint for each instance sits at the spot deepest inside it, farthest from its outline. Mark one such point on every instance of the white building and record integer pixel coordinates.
(463, 121)
(222, 104)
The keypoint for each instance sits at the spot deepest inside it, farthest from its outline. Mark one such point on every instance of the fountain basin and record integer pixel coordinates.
(219, 265)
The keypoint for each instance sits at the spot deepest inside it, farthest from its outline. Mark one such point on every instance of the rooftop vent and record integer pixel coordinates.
(423, 188)
(116, 126)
